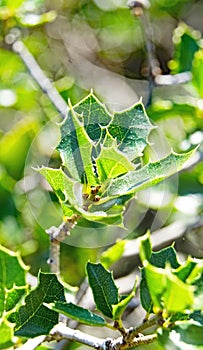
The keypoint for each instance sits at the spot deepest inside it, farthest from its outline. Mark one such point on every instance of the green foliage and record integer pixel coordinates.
(98, 148)
(172, 289)
(12, 288)
(12, 279)
(106, 159)
(33, 318)
(166, 285)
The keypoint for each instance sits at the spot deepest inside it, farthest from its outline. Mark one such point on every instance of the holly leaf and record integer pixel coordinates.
(103, 288)
(130, 129)
(99, 151)
(112, 163)
(95, 117)
(164, 257)
(33, 318)
(76, 149)
(190, 271)
(78, 313)
(149, 175)
(12, 279)
(157, 265)
(63, 186)
(167, 291)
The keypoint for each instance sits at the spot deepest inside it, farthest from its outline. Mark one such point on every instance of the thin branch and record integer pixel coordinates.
(60, 331)
(134, 332)
(36, 72)
(57, 235)
(32, 344)
(139, 10)
(176, 79)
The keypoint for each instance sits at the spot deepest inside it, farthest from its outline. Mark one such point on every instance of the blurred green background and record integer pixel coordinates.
(84, 44)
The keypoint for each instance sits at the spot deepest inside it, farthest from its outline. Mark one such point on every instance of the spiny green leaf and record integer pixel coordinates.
(130, 129)
(190, 271)
(163, 257)
(103, 288)
(97, 149)
(149, 175)
(78, 313)
(94, 115)
(76, 148)
(157, 276)
(33, 318)
(12, 272)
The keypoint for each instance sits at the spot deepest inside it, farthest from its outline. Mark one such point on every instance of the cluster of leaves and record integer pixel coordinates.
(171, 291)
(174, 290)
(101, 154)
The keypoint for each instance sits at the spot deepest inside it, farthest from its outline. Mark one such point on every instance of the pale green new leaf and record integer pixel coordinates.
(149, 175)
(78, 313)
(111, 163)
(190, 271)
(111, 217)
(167, 291)
(63, 186)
